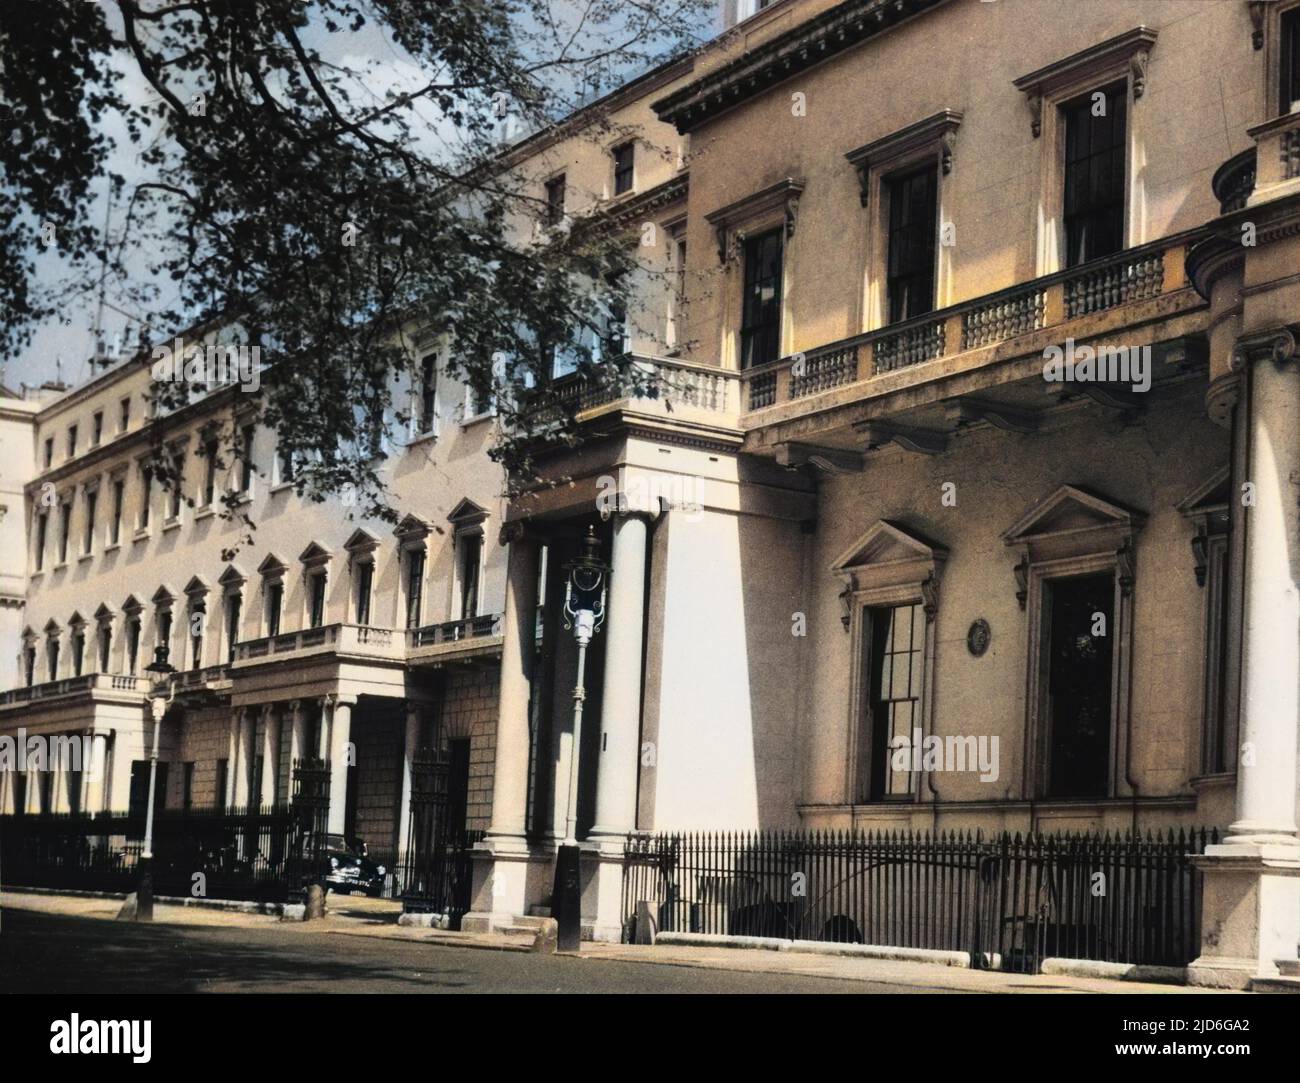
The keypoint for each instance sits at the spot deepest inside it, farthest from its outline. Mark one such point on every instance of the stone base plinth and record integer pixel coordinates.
(1250, 913)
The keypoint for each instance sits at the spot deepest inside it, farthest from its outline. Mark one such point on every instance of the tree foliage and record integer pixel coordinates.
(280, 191)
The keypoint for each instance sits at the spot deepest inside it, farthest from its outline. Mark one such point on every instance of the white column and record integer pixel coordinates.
(1270, 693)
(414, 717)
(340, 738)
(270, 754)
(232, 756)
(96, 783)
(244, 766)
(297, 723)
(510, 769)
(620, 710)
(1250, 895)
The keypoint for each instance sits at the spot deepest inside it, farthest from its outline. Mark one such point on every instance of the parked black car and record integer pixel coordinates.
(348, 869)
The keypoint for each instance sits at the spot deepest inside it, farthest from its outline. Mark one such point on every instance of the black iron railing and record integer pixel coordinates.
(438, 870)
(267, 853)
(1009, 900)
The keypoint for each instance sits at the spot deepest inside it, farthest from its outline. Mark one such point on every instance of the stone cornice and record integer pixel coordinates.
(938, 129)
(807, 45)
(784, 194)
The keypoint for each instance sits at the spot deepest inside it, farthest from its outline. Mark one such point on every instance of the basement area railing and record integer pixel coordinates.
(1009, 901)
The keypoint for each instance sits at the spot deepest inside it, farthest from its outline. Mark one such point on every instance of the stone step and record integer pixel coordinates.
(537, 910)
(531, 921)
(1290, 968)
(1280, 984)
(529, 931)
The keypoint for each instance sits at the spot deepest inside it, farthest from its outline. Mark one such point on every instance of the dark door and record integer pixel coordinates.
(139, 792)
(1079, 617)
(458, 786)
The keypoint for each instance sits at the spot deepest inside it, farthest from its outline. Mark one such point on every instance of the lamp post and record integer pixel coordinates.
(584, 613)
(160, 696)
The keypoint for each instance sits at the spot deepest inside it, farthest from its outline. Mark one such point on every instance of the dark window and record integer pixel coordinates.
(223, 775)
(164, 629)
(96, 428)
(132, 644)
(187, 785)
(1094, 175)
(72, 440)
(555, 200)
(139, 791)
(913, 200)
(623, 155)
(196, 636)
(246, 464)
(42, 527)
(78, 648)
(92, 499)
(146, 495)
(274, 603)
(1217, 755)
(316, 585)
(29, 666)
(1290, 60)
(760, 327)
(1079, 684)
(365, 583)
(119, 501)
(52, 657)
(124, 417)
(414, 586)
(234, 603)
(471, 549)
(178, 467)
(209, 472)
(49, 452)
(894, 660)
(428, 389)
(285, 457)
(105, 647)
(65, 531)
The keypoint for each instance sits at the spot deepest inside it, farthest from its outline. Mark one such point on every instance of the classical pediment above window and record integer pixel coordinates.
(232, 578)
(197, 587)
(132, 605)
(1072, 525)
(1124, 55)
(890, 555)
(271, 566)
(777, 204)
(315, 555)
(412, 529)
(467, 513)
(938, 132)
(361, 541)
(164, 595)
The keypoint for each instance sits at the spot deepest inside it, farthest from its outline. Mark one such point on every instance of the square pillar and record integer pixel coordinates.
(342, 756)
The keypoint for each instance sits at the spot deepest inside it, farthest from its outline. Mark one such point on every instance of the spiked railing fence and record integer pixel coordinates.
(1009, 901)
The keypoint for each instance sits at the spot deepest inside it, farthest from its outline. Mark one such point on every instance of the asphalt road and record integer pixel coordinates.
(63, 954)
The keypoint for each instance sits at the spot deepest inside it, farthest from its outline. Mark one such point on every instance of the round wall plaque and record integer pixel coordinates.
(977, 639)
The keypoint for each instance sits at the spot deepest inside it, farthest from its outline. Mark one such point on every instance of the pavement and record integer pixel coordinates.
(72, 943)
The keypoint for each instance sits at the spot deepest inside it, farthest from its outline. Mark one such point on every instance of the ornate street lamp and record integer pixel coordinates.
(584, 613)
(160, 697)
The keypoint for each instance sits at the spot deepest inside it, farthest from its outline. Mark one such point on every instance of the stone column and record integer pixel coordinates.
(414, 718)
(1251, 896)
(232, 756)
(244, 757)
(620, 711)
(510, 769)
(501, 880)
(95, 781)
(270, 755)
(340, 738)
(296, 744)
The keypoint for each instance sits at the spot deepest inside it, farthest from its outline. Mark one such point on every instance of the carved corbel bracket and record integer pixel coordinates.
(1257, 23)
(1021, 572)
(923, 441)
(1125, 568)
